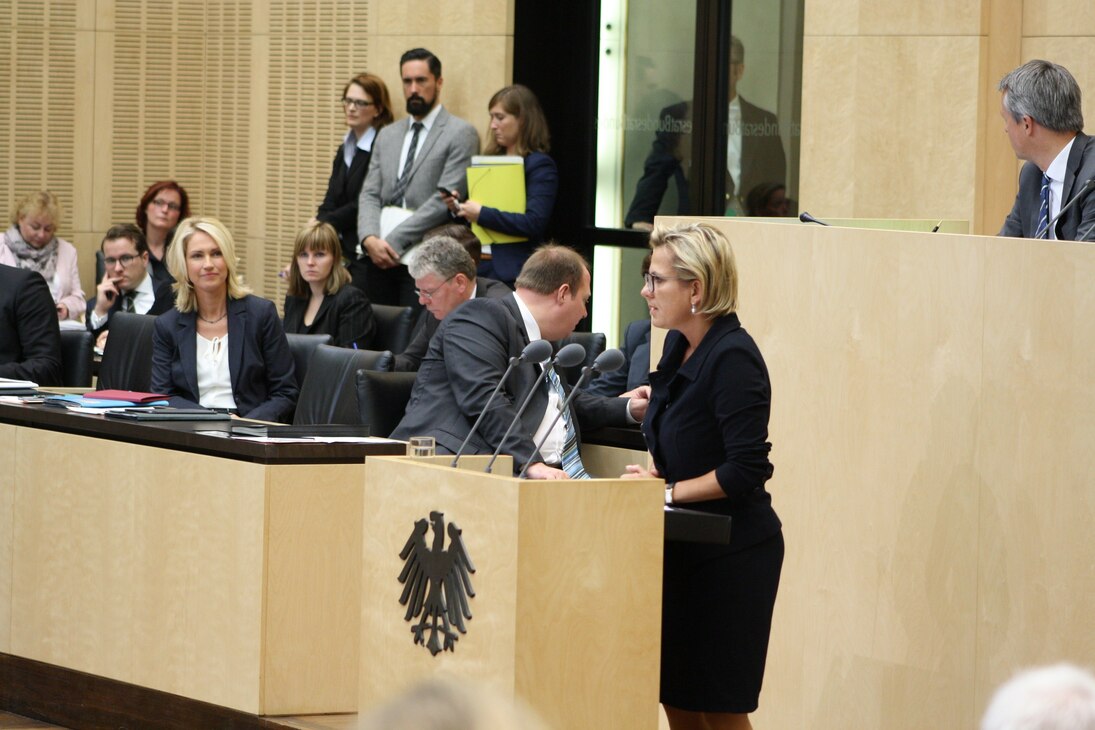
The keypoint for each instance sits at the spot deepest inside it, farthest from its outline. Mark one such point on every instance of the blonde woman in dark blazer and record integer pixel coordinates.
(221, 347)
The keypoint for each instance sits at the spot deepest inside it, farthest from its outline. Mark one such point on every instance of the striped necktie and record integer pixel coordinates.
(1043, 211)
(405, 177)
(127, 303)
(572, 461)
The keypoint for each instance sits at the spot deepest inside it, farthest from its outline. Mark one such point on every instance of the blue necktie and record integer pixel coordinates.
(1043, 211)
(572, 462)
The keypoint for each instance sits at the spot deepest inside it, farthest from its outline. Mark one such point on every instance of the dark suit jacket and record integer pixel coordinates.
(30, 339)
(1022, 221)
(411, 358)
(541, 186)
(339, 206)
(711, 414)
(164, 299)
(464, 364)
(347, 316)
(263, 383)
(442, 160)
(762, 160)
(636, 368)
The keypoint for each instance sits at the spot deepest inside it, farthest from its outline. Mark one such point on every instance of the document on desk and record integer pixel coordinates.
(319, 439)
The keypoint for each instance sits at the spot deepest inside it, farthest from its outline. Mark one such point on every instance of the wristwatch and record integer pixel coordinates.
(669, 492)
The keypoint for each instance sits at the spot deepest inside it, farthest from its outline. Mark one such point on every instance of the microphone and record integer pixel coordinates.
(535, 351)
(1090, 183)
(1087, 233)
(567, 357)
(606, 362)
(807, 218)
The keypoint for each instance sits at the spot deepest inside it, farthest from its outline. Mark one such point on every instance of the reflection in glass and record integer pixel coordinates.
(654, 131)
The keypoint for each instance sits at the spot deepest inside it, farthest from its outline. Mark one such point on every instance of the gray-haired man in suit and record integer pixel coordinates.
(412, 158)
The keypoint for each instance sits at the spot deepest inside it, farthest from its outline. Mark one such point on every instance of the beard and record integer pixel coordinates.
(419, 107)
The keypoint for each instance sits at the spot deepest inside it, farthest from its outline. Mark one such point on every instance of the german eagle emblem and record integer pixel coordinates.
(436, 584)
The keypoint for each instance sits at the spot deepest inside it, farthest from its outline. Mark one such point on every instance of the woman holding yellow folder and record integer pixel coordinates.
(517, 128)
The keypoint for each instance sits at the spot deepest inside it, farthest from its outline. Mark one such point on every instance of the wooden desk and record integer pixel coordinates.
(221, 570)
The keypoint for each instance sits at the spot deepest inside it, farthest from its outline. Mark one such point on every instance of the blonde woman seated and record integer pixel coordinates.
(221, 347)
(31, 243)
(320, 299)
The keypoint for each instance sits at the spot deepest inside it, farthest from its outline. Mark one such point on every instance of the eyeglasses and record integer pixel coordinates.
(428, 293)
(356, 103)
(126, 260)
(651, 281)
(161, 203)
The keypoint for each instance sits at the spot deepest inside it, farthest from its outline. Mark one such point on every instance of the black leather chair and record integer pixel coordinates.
(382, 399)
(303, 347)
(329, 392)
(393, 327)
(594, 342)
(127, 358)
(77, 351)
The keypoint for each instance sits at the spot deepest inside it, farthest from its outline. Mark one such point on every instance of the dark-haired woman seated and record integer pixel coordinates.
(221, 347)
(320, 298)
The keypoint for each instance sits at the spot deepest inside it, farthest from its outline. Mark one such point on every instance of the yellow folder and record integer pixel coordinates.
(497, 183)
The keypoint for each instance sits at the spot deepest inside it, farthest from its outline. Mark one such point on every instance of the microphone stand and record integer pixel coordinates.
(572, 354)
(537, 351)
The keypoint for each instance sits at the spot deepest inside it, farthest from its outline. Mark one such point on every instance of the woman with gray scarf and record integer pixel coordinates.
(32, 243)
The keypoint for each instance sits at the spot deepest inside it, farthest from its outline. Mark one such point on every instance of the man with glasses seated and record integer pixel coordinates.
(444, 278)
(127, 285)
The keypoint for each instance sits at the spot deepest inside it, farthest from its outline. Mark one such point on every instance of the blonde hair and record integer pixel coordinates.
(702, 253)
(317, 236)
(38, 203)
(185, 301)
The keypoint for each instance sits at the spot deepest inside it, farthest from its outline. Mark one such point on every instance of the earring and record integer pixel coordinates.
(693, 307)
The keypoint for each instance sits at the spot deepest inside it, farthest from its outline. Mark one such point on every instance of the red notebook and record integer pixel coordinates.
(132, 396)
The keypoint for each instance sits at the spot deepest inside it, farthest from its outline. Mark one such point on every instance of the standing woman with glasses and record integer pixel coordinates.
(220, 347)
(367, 107)
(707, 430)
(161, 208)
(32, 243)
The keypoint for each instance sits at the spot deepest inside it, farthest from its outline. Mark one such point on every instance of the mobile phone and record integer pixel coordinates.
(448, 193)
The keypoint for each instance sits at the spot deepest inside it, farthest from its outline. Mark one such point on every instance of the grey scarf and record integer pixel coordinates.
(43, 260)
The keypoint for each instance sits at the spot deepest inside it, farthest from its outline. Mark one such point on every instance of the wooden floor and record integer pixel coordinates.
(9, 721)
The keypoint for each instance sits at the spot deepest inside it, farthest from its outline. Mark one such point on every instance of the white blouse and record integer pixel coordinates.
(214, 375)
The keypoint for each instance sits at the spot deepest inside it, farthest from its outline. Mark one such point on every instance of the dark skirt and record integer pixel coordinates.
(716, 618)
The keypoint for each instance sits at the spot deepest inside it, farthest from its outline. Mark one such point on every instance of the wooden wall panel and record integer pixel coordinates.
(1066, 18)
(882, 118)
(882, 17)
(309, 63)
(39, 116)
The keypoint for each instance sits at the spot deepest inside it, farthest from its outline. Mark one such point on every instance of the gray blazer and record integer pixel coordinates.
(466, 359)
(442, 161)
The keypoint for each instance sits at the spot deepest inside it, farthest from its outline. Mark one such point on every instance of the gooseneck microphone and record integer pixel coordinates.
(567, 357)
(807, 218)
(1088, 184)
(535, 351)
(606, 362)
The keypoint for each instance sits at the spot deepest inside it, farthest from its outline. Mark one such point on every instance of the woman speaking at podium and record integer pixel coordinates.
(220, 347)
(707, 430)
(518, 128)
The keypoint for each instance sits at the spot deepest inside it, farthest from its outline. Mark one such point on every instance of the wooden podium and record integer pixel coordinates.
(566, 611)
